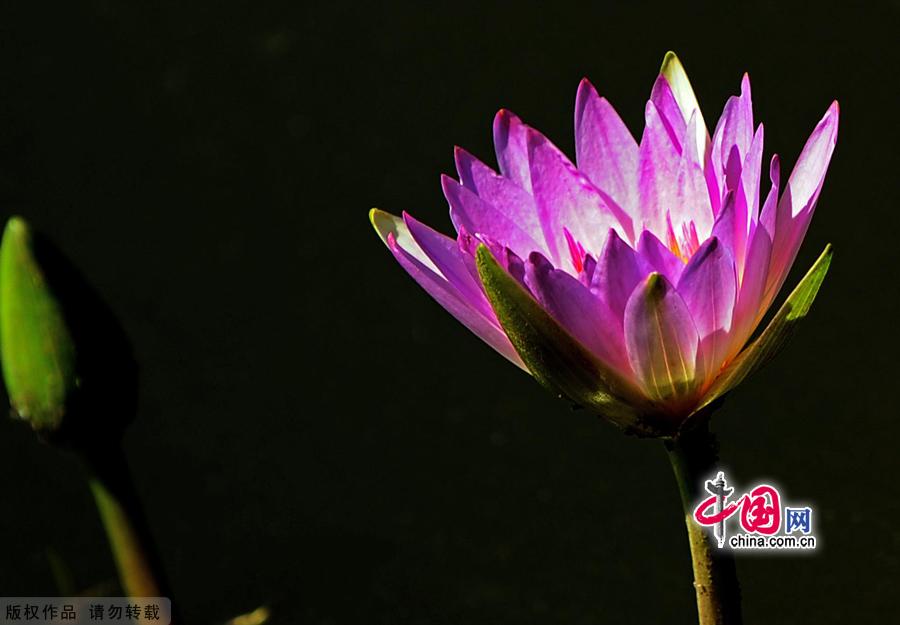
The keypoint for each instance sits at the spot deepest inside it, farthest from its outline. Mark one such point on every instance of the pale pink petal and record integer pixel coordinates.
(735, 128)
(567, 199)
(499, 208)
(658, 162)
(511, 145)
(798, 202)
(605, 149)
(693, 202)
(672, 118)
(751, 173)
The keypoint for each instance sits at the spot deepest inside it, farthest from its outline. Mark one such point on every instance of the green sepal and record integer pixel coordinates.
(773, 338)
(554, 357)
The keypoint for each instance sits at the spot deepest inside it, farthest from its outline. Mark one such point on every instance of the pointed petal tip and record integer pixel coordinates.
(382, 221)
(506, 117)
(585, 86)
(833, 112)
(446, 181)
(669, 60)
(387, 226)
(654, 283)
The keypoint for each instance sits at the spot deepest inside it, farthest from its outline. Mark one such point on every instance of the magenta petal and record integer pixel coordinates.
(732, 223)
(618, 272)
(511, 145)
(509, 260)
(673, 119)
(806, 180)
(505, 212)
(658, 161)
(769, 210)
(567, 199)
(585, 317)
(749, 309)
(693, 193)
(661, 340)
(659, 257)
(735, 127)
(751, 173)
(797, 204)
(471, 213)
(394, 233)
(708, 287)
(444, 252)
(605, 149)
(734, 184)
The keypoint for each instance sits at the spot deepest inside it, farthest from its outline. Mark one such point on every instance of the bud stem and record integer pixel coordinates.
(693, 455)
(123, 519)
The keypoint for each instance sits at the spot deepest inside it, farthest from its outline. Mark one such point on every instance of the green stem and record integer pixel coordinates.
(693, 458)
(122, 515)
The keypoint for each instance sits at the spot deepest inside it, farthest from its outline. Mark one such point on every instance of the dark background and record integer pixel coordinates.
(314, 432)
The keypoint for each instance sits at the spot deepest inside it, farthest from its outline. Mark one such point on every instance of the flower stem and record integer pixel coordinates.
(122, 515)
(693, 455)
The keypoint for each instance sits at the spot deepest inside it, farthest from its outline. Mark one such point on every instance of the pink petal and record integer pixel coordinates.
(797, 204)
(444, 252)
(693, 200)
(672, 118)
(567, 199)
(658, 162)
(734, 186)
(769, 211)
(659, 257)
(586, 317)
(749, 309)
(708, 287)
(618, 272)
(751, 173)
(735, 128)
(605, 149)
(490, 204)
(511, 145)
(412, 258)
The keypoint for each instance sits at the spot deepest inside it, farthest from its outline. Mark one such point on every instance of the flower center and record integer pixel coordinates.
(684, 242)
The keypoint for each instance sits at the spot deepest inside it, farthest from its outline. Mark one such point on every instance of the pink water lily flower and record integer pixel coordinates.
(630, 280)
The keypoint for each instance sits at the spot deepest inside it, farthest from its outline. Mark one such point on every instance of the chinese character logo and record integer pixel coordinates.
(760, 517)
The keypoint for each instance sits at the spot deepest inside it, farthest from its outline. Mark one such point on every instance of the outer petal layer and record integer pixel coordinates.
(412, 258)
(798, 203)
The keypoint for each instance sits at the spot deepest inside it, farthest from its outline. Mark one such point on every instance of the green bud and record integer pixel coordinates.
(66, 364)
